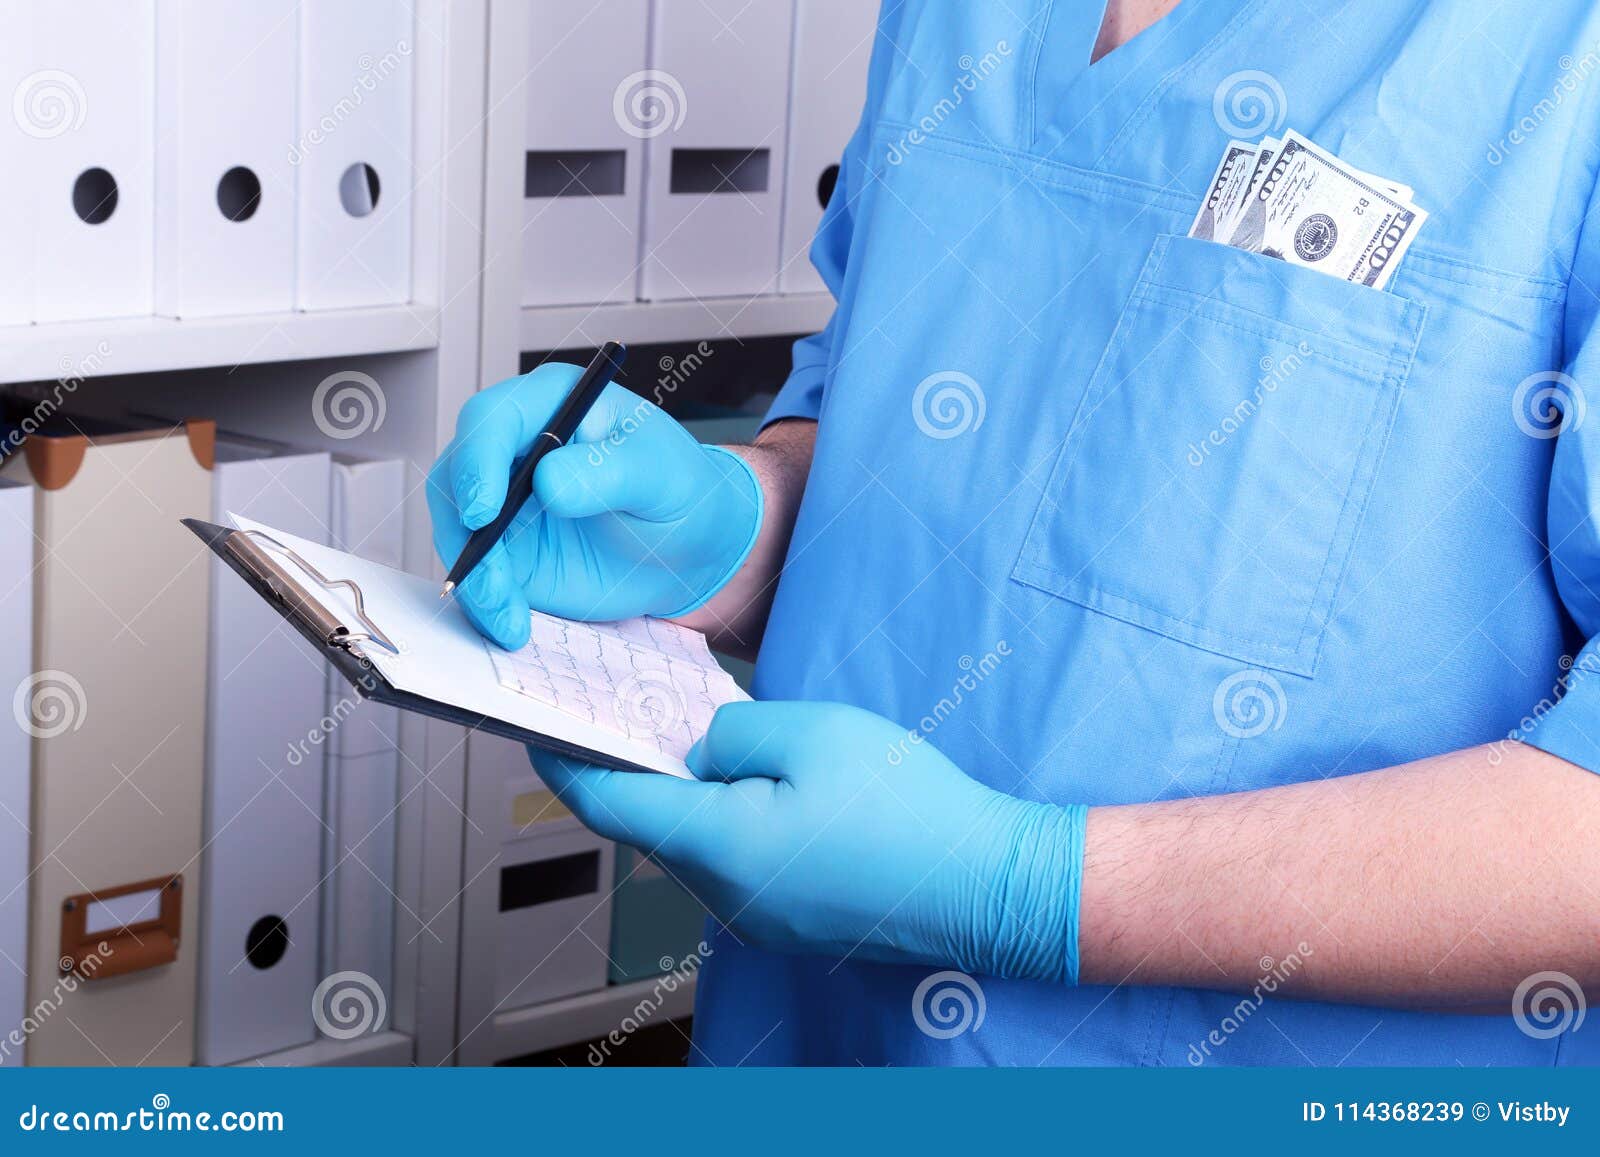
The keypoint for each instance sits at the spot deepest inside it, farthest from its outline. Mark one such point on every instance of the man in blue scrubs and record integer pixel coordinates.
(1141, 621)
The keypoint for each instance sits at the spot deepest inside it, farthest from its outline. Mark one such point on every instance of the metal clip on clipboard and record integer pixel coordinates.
(244, 545)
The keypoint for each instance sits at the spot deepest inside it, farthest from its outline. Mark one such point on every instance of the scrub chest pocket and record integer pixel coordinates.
(1214, 476)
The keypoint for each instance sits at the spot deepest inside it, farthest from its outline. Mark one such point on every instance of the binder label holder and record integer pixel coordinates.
(98, 941)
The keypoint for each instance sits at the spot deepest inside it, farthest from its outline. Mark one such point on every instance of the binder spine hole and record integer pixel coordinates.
(826, 184)
(576, 173)
(358, 189)
(239, 194)
(266, 942)
(703, 171)
(94, 196)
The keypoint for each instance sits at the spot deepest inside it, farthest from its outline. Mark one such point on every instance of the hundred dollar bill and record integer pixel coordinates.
(1246, 226)
(1233, 171)
(1247, 214)
(1321, 215)
(1398, 192)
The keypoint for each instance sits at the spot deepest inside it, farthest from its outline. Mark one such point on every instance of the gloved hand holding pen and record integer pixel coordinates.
(634, 517)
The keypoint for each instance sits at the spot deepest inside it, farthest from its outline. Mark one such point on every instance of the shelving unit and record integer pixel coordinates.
(465, 328)
(380, 1048)
(564, 327)
(257, 374)
(590, 1016)
(137, 345)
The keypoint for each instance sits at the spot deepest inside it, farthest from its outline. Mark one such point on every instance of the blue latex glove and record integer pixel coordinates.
(821, 828)
(633, 517)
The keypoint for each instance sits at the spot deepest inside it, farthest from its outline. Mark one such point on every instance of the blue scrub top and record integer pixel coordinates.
(1114, 516)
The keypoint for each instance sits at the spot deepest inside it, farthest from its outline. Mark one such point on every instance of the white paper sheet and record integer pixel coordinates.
(649, 681)
(444, 659)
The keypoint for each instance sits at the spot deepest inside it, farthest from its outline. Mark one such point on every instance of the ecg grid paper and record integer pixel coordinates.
(653, 682)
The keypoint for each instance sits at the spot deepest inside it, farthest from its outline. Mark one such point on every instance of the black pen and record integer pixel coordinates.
(574, 408)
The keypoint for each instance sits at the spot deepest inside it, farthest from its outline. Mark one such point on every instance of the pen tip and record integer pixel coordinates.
(445, 593)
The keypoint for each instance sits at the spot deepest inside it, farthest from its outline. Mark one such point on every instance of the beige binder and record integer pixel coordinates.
(120, 598)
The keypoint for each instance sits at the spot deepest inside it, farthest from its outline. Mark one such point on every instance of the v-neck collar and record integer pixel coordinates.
(1085, 108)
(1104, 10)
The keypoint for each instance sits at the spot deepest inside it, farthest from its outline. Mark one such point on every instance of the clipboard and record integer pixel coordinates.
(245, 553)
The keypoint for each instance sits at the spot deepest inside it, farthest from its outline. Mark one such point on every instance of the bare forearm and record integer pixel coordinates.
(735, 619)
(1443, 883)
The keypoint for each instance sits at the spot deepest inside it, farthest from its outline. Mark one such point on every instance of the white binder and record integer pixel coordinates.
(260, 908)
(555, 917)
(363, 757)
(352, 154)
(16, 204)
(16, 665)
(583, 169)
(827, 89)
(554, 881)
(714, 182)
(119, 753)
(225, 121)
(84, 105)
